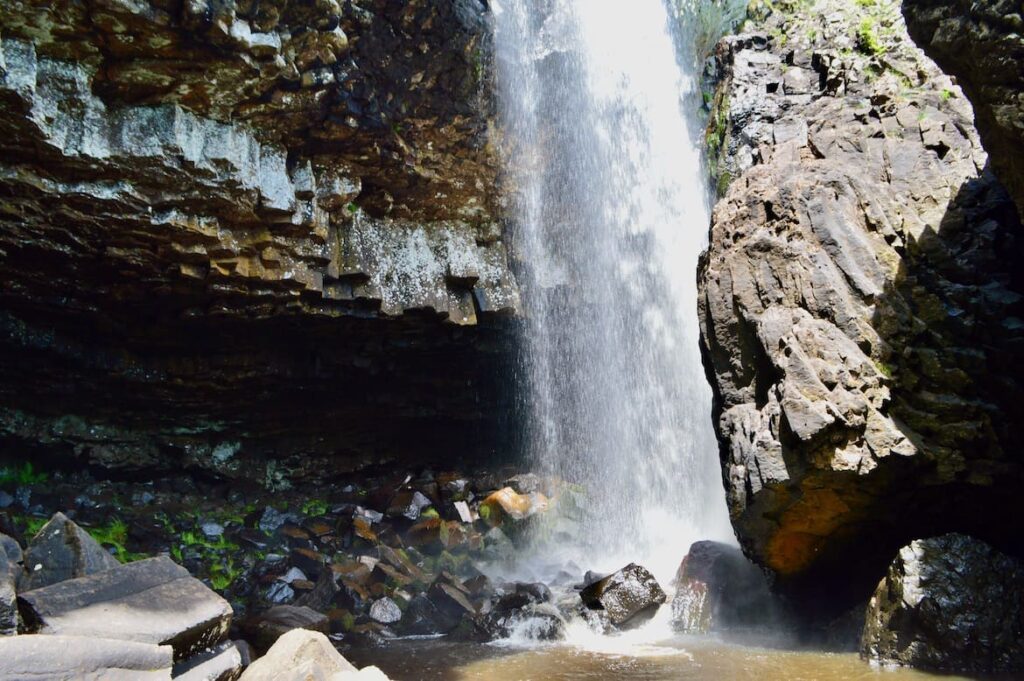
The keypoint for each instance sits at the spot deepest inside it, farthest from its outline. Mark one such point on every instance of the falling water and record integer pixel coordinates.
(610, 214)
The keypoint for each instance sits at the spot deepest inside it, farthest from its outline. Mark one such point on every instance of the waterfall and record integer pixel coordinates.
(609, 212)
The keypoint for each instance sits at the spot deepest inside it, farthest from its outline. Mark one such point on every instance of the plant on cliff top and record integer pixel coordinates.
(867, 38)
(704, 22)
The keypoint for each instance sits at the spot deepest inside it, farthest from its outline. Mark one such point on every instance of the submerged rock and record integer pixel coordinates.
(62, 550)
(949, 603)
(625, 594)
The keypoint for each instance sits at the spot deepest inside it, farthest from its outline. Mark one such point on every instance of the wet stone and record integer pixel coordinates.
(625, 594)
(265, 629)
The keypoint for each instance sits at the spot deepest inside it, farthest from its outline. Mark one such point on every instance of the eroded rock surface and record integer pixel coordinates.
(982, 44)
(860, 302)
(949, 603)
(216, 215)
(93, 659)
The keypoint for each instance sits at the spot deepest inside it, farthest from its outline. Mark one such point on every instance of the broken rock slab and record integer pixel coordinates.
(222, 662)
(62, 550)
(150, 601)
(625, 594)
(60, 658)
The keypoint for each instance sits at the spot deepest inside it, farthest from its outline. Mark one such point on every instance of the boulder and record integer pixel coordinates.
(508, 505)
(32, 658)
(451, 601)
(222, 662)
(299, 655)
(150, 601)
(62, 550)
(385, 611)
(265, 629)
(10, 568)
(533, 621)
(624, 594)
(717, 587)
(950, 603)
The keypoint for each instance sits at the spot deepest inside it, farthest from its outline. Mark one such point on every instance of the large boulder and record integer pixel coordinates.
(858, 304)
(980, 43)
(150, 601)
(76, 658)
(624, 594)
(717, 587)
(62, 550)
(303, 655)
(950, 603)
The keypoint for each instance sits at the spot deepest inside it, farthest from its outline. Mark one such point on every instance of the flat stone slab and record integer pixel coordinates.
(59, 658)
(150, 601)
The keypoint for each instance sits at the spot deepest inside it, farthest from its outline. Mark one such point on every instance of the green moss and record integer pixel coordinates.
(24, 474)
(114, 535)
(946, 95)
(884, 369)
(33, 525)
(430, 513)
(223, 574)
(485, 512)
(313, 507)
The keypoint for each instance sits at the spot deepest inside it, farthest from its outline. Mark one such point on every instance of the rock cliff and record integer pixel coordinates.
(982, 44)
(860, 301)
(232, 231)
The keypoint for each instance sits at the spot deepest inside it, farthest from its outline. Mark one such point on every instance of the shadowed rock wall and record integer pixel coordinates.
(250, 228)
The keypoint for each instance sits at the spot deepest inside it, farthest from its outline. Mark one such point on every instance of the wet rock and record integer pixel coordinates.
(717, 587)
(949, 603)
(625, 594)
(298, 655)
(223, 662)
(272, 519)
(385, 611)
(422, 618)
(212, 530)
(264, 629)
(321, 595)
(152, 601)
(408, 504)
(506, 505)
(62, 550)
(524, 483)
(82, 657)
(451, 601)
(533, 621)
(308, 561)
(280, 592)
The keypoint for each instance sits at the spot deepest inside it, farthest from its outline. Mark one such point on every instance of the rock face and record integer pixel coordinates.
(949, 603)
(150, 601)
(10, 570)
(859, 302)
(217, 215)
(23, 658)
(981, 43)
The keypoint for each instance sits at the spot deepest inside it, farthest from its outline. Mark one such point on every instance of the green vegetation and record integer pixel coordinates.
(946, 95)
(24, 474)
(33, 525)
(867, 38)
(430, 513)
(114, 535)
(224, 573)
(314, 507)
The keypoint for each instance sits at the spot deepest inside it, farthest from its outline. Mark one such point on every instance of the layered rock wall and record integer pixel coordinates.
(232, 228)
(860, 302)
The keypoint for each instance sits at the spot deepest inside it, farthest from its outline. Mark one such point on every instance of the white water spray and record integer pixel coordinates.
(610, 214)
